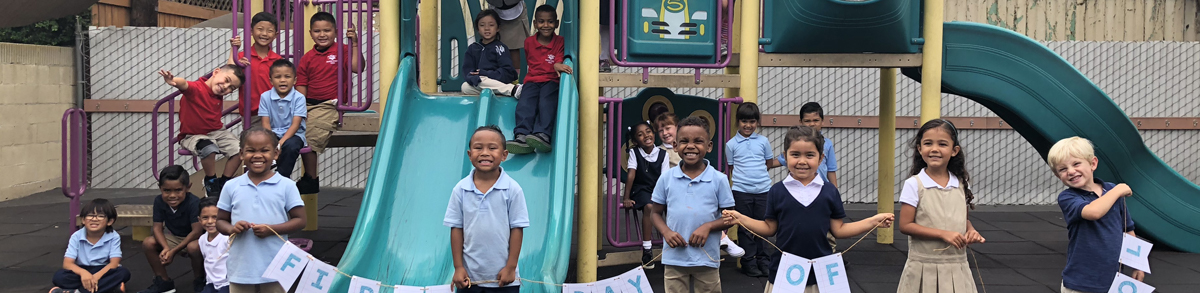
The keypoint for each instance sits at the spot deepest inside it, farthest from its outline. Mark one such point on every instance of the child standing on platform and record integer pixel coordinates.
(487, 64)
(646, 164)
(934, 214)
(748, 155)
(538, 104)
(92, 262)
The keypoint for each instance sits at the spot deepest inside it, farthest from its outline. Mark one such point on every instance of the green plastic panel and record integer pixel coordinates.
(673, 31)
(837, 26)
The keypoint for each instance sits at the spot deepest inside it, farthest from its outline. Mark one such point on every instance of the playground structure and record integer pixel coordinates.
(1029, 86)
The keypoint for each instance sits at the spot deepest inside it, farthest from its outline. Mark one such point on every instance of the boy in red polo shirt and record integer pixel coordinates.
(265, 29)
(317, 79)
(539, 94)
(201, 131)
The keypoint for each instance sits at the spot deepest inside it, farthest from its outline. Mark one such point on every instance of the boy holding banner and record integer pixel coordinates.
(1095, 222)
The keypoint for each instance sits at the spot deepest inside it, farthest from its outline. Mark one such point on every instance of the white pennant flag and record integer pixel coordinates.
(831, 274)
(792, 275)
(287, 265)
(578, 288)
(1125, 284)
(439, 289)
(635, 281)
(318, 277)
(610, 285)
(363, 285)
(406, 289)
(1135, 253)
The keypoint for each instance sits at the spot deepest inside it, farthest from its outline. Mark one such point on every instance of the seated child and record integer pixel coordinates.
(1095, 219)
(283, 111)
(748, 155)
(317, 80)
(201, 131)
(538, 105)
(695, 193)
(213, 245)
(646, 164)
(665, 123)
(482, 250)
(802, 208)
(92, 262)
(487, 64)
(176, 228)
(514, 26)
(265, 29)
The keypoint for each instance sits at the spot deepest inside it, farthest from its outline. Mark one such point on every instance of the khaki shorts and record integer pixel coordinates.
(224, 140)
(256, 121)
(272, 287)
(1064, 289)
(513, 32)
(807, 289)
(676, 279)
(172, 240)
(322, 122)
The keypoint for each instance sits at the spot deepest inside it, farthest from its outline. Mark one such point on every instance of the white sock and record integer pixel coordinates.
(646, 244)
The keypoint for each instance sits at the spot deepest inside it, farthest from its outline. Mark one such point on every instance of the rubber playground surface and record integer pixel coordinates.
(1025, 252)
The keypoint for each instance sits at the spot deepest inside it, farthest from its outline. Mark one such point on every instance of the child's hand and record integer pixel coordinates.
(1122, 190)
(242, 61)
(89, 282)
(242, 226)
(351, 34)
(673, 239)
(262, 231)
(974, 237)
(507, 275)
(476, 72)
(235, 42)
(168, 77)
(1138, 275)
(884, 220)
(562, 68)
(461, 280)
(627, 203)
(699, 236)
(166, 257)
(954, 238)
(731, 217)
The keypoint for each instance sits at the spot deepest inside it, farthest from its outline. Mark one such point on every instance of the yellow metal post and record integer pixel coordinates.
(931, 62)
(733, 93)
(389, 48)
(589, 130)
(748, 71)
(887, 149)
(309, 10)
(428, 51)
(255, 7)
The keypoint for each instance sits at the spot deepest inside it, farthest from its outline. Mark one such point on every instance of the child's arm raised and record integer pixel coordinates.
(764, 228)
(461, 280)
(1100, 207)
(177, 82)
(840, 229)
(356, 63)
(234, 43)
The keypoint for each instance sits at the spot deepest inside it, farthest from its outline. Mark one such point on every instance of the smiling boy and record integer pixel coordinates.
(538, 105)
(201, 130)
(317, 80)
(176, 228)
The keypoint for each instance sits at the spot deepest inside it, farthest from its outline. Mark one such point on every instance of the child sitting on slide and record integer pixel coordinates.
(487, 64)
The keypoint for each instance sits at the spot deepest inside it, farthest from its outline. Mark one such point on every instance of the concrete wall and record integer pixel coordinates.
(37, 83)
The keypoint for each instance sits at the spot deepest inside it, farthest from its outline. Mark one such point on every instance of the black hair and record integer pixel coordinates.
(258, 129)
(747, 111)
(100, 206)
(804, 133)
(237, 70)
(545, 8)
(492, 128)
(265, 16)
(957, 164)
(210, 201)
(657, 110)
(174, 173)
(812, 107)
(488, 12)
(631, 133)
(694, 121)
(322, 16)
(283, 63)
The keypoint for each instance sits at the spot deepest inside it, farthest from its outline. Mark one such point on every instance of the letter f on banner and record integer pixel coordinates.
(287, 265)
(831, 275)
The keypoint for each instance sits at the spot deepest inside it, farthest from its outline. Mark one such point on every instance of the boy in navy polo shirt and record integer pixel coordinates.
(748, 155)
(92, 262)
(538, 105)
(695, 193)
(317, 80)
(176, 228)
(482, 206)
(200, 129)
(283, 112)
(1094, 218)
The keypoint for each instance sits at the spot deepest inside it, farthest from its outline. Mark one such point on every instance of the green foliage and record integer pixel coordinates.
(55, 32)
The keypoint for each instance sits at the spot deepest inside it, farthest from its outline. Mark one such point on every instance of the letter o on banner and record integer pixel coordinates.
(800, 279)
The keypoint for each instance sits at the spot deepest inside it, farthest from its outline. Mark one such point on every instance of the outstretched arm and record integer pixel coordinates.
(840, 229)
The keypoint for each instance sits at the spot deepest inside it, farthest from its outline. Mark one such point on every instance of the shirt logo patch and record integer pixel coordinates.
(331, 59)
(499, 50)
(549, 59)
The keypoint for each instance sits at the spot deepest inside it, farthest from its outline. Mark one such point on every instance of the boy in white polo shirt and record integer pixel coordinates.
(213, 246)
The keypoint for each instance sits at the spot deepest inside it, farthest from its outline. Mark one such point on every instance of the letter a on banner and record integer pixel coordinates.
(578, 288)
(287, 265)
(1125, 284)
(318, 277)
(635, 281)
(363, 285)
(831, 274)
(792, 275)
(1135, 253)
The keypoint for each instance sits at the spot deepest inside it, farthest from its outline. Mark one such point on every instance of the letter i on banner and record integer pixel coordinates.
(831, 274)
(363, 285)
(287, 265)
(318, 277)
(1125, 284)
(635, 281)
(1135, 253)
(579, 288)
(792, 275)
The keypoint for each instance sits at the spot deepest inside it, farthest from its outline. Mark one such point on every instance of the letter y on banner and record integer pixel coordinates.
(831, 274)
(792, 275)
(318, 277)
(635, 281)
(1125, 284)
(287, 265)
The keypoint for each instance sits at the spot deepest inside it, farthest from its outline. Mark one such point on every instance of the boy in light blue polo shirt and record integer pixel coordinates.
(93, 253)
(812, 115)
(748, 155)
(284, 110)
(695, 193)
(482, 208)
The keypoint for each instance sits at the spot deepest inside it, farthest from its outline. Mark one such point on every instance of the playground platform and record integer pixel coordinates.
(1025, 252)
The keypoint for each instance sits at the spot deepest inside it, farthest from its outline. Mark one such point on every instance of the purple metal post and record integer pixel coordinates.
(724, 108)
(246, 96)
(74, 145)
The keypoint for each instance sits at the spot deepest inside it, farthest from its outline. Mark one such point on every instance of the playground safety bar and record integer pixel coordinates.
(74, 160)
(358, 11)
(724, 109)
(724, 19)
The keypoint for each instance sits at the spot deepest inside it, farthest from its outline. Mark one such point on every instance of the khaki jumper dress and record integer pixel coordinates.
(928, 269)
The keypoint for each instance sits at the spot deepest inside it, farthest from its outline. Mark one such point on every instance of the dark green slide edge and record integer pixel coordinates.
(1046, 99)
(420, 155)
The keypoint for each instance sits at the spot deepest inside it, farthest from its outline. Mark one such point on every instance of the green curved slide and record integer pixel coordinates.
(1045, 99)
(419, 157)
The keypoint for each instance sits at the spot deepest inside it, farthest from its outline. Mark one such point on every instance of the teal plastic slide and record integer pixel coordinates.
(419, 157)
(1046, 99)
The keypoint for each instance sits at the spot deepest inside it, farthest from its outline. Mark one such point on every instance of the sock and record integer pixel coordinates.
(209, 178)
(646, 245)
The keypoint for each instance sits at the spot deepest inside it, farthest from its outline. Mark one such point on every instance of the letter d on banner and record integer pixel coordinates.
(792, 274)
(1125, 284)
(831, 274)
(363, 285)
(287, 265)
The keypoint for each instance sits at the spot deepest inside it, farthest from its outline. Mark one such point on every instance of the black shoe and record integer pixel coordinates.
(539, 141)
(309, 185)
(198, 284)
(647, 259)
(160, 286)
(764, 265)
(212, 186)
(751, 269)
(518, 145)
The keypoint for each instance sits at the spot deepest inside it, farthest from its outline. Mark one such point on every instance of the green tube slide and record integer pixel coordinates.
(1045, 99)
(419, 157)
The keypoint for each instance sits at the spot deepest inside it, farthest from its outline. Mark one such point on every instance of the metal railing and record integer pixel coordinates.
(74, 160)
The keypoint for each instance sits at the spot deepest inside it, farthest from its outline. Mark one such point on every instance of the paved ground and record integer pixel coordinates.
(1025, 250)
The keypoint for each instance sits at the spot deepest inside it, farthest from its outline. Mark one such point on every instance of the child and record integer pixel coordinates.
(665, 123)
(813, 116)
(482, 206)
(213, 245)
(1094, 219)
(264, 30)
(283, 112)
(695, 193)
(802, 209)
(748, 155)
(514, 27)
(317, 80)
(92, 262)
(934, 213)
(646, 164)
(176, 227)
(263, 201)
(539, 99)
(487, 64)
(201, 131)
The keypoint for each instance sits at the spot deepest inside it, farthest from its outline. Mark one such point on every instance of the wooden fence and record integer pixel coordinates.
(170, 14)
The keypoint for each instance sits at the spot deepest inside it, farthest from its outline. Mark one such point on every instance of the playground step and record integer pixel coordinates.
(350, 139)
(669, 80)
(360, 122)
(137, 216)
(863, 60)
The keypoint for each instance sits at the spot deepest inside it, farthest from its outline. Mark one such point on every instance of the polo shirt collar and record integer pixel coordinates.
(539, 43)
(271, 55)
(928, 182)
(273, 180)
(706, 176)
(502, 183)
(1103, 187)
(332, 49)
(289, 97)
(740, 139)
(789, 181)
(212, 243)
(108, 237)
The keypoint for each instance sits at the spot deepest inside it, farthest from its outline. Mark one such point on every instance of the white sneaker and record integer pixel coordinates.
(516, 91)
(732, 248)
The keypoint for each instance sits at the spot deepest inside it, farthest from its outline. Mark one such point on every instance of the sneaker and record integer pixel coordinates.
(605, 66)
(160, 286)
(516, 92)
(198, 284)
(751, 269)
(539, 141)
(518, 145)
(212, 187)
(647, 259)
(309, 185)
(732, 248)
(764, 265)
